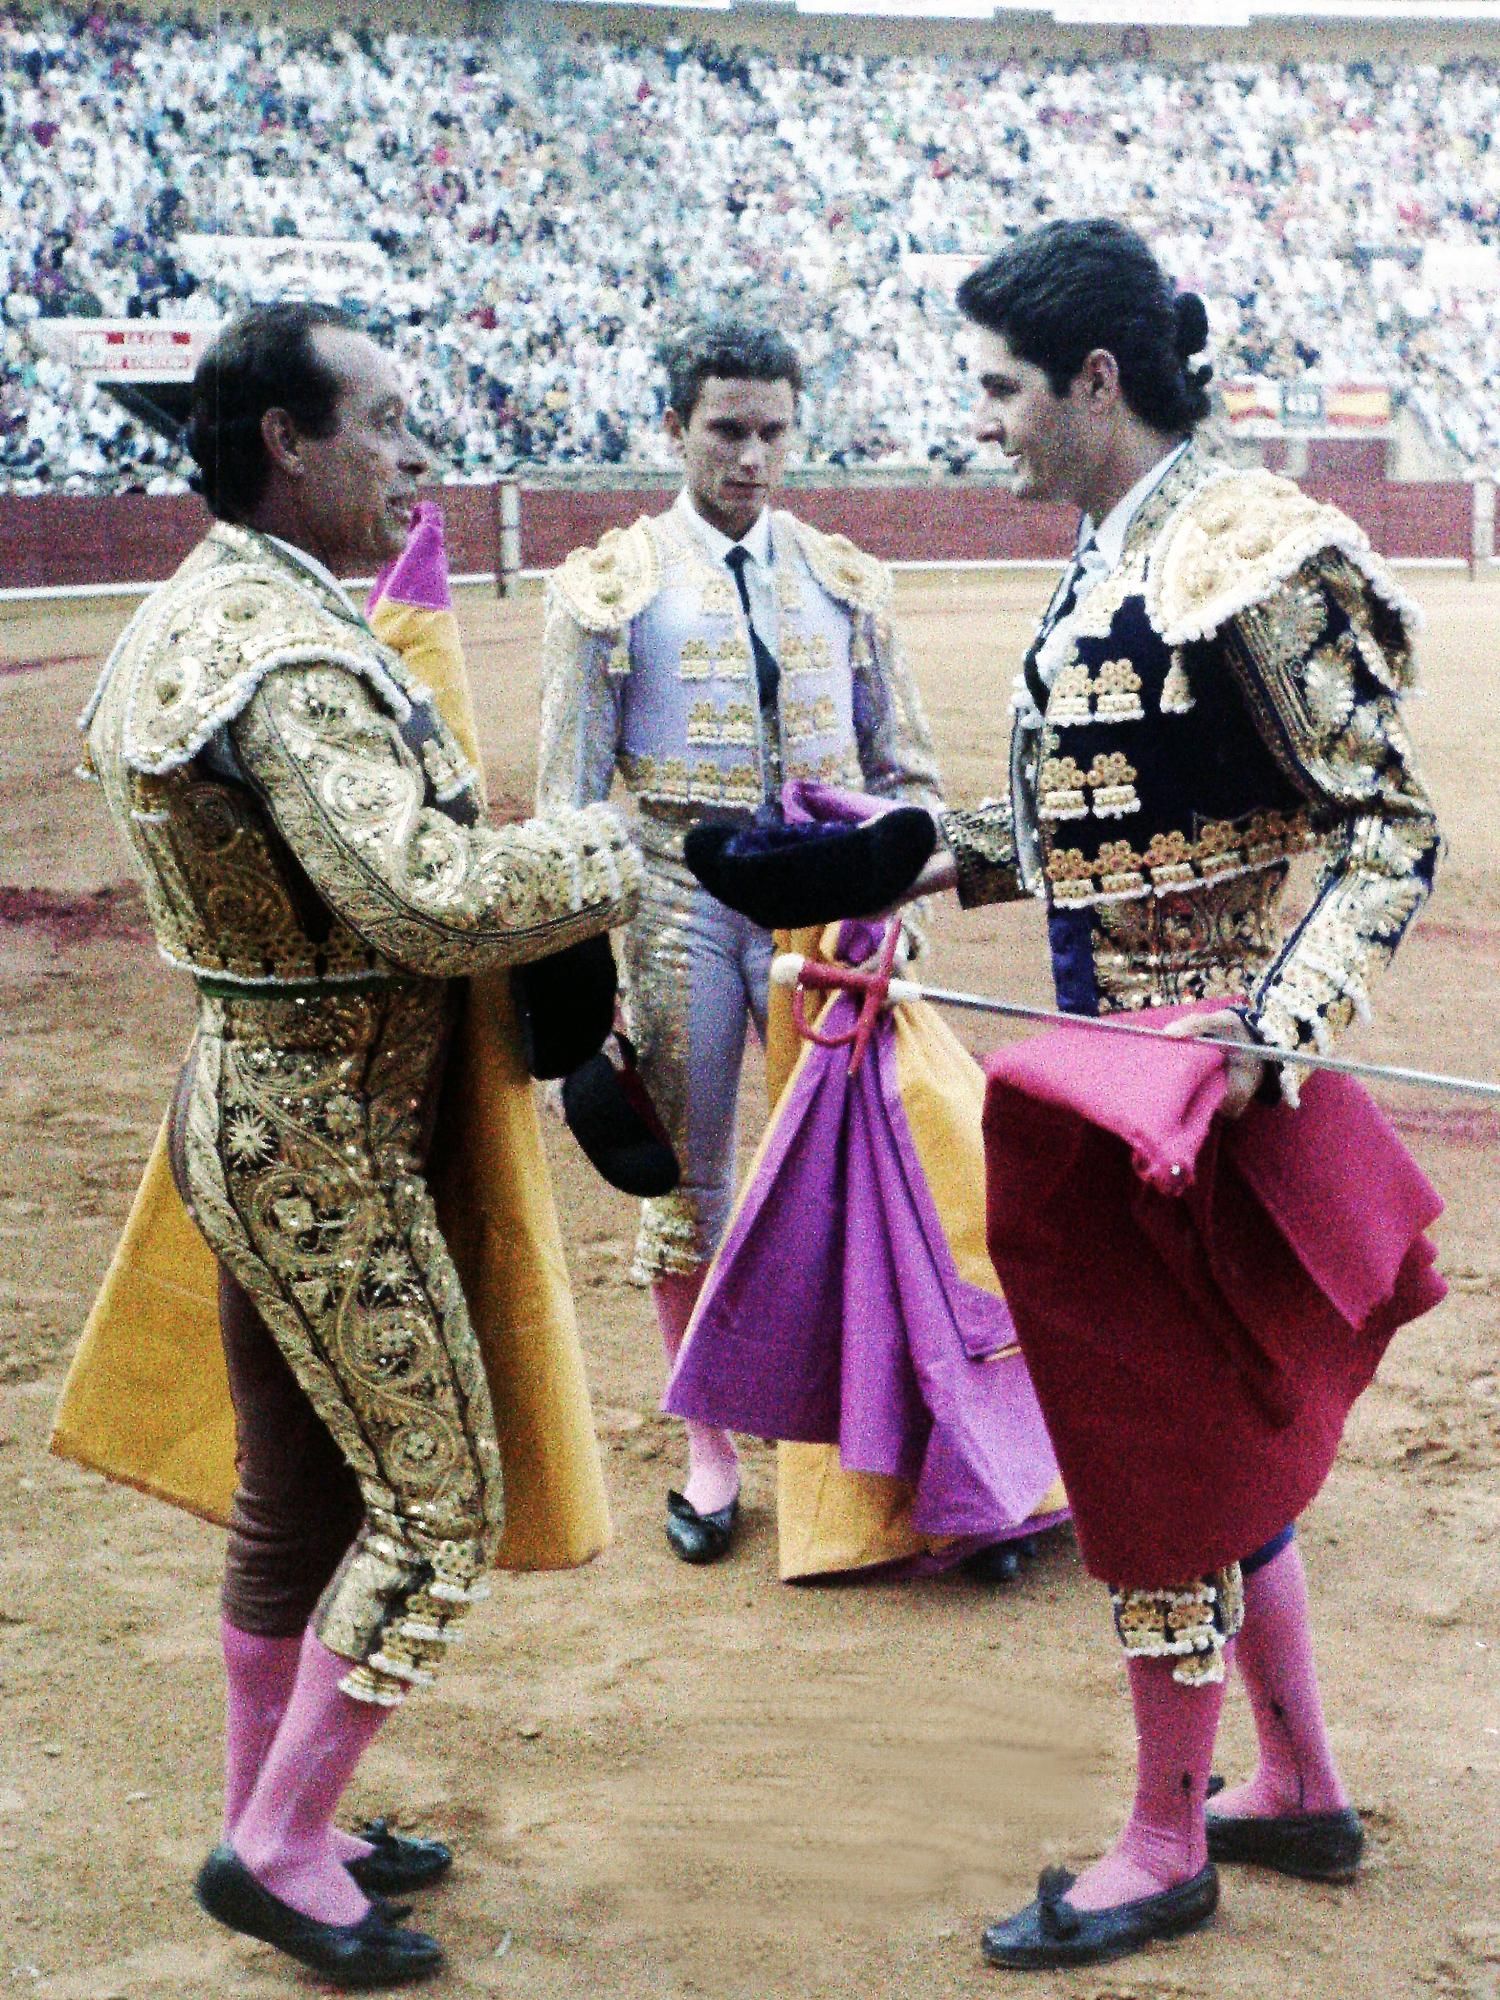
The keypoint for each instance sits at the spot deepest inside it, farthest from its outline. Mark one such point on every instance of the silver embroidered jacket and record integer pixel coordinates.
(1226, 698)
(647, 668)
(295, 805)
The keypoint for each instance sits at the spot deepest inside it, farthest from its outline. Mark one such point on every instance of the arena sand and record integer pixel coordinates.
(667, 1782)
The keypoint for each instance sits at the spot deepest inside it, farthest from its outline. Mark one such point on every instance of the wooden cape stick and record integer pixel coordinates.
(790, 969)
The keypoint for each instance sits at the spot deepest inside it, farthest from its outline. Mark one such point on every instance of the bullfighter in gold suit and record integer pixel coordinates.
(307, 829)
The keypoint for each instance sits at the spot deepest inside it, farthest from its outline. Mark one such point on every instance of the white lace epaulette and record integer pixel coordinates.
(200, 647)
(602, 588)
(1240, 537)
(862, 582)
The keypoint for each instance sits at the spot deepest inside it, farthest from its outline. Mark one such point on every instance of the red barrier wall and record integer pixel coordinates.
(56, 540)
(1407, 520)
(899, 523)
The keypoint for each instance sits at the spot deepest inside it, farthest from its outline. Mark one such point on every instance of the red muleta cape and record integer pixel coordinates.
(1199, 1301)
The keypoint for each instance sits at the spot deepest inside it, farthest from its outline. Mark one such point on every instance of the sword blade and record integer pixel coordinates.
(979, 1003)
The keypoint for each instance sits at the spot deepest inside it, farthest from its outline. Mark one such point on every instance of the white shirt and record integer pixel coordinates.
(1109, 536)
(765, 613)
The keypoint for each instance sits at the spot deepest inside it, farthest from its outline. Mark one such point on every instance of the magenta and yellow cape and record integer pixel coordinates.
(968, 1457)
(146, 1400)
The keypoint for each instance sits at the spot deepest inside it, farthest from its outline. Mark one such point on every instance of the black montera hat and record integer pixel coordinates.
(786, 876)
(566, 1005)
(613, 1119)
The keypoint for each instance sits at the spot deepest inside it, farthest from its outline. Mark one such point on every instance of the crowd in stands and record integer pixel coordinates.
(532, 214)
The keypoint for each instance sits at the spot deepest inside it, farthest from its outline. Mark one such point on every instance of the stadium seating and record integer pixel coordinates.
(523, 218)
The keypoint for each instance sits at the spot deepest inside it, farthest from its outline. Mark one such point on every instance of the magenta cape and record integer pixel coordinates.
(1199, 1301)
(835, 1313)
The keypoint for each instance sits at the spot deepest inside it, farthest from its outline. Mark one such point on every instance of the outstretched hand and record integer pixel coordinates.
(1243, 1071)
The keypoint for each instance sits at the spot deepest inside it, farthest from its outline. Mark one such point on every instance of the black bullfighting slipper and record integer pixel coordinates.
(700, 1538)
(610, 1113)
(1050, 1932)
(1001, 1562)
(565, 1004)
(1315, 1847)
(784, 876)
(373, 1952)
(397, 1862)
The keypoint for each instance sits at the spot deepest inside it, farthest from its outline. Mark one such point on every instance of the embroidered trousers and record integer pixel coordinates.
(302, 1136)
(697, 977)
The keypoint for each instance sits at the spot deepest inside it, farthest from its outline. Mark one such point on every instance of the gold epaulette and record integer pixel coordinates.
(604, 587)
(200, 647)
(862, 582)
(1241, 537)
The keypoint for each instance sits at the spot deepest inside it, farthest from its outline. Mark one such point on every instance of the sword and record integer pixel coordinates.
(791, 969)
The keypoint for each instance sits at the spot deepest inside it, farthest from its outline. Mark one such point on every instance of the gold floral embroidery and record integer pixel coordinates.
(1163, 949)
(735, 722)
(1119, 869)
(1111, 778)
(604, 587)
(302, 1134)
(1383, 631)
(1060, 793)
(860, 581)
(832, 769)
(447, 768)
(795, 655)
(1072, 877)
(1218, 849)
(1370, 886)
(400, 883)
(695, 662)
(1070, 697)
(1172, 860)
(1169, 859)
(983, 844)
(1190, 1625)
(1177, 696)
(731, 659)
(1232, 548)
(1117, 690)
(1328, 683)
(436, 897)
(1095, 616)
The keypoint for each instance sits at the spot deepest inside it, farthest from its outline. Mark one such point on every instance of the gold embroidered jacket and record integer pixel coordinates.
(647, 668)
(1227, 697)
(296, 806)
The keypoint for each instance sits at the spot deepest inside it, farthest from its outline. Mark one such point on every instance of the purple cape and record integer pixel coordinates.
(835, 1314)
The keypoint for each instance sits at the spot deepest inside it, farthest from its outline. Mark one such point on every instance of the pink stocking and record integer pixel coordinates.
(1296, 1772)
(1164, 1841)
(285, 1835)
(259, 1673)
(713, 1465)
